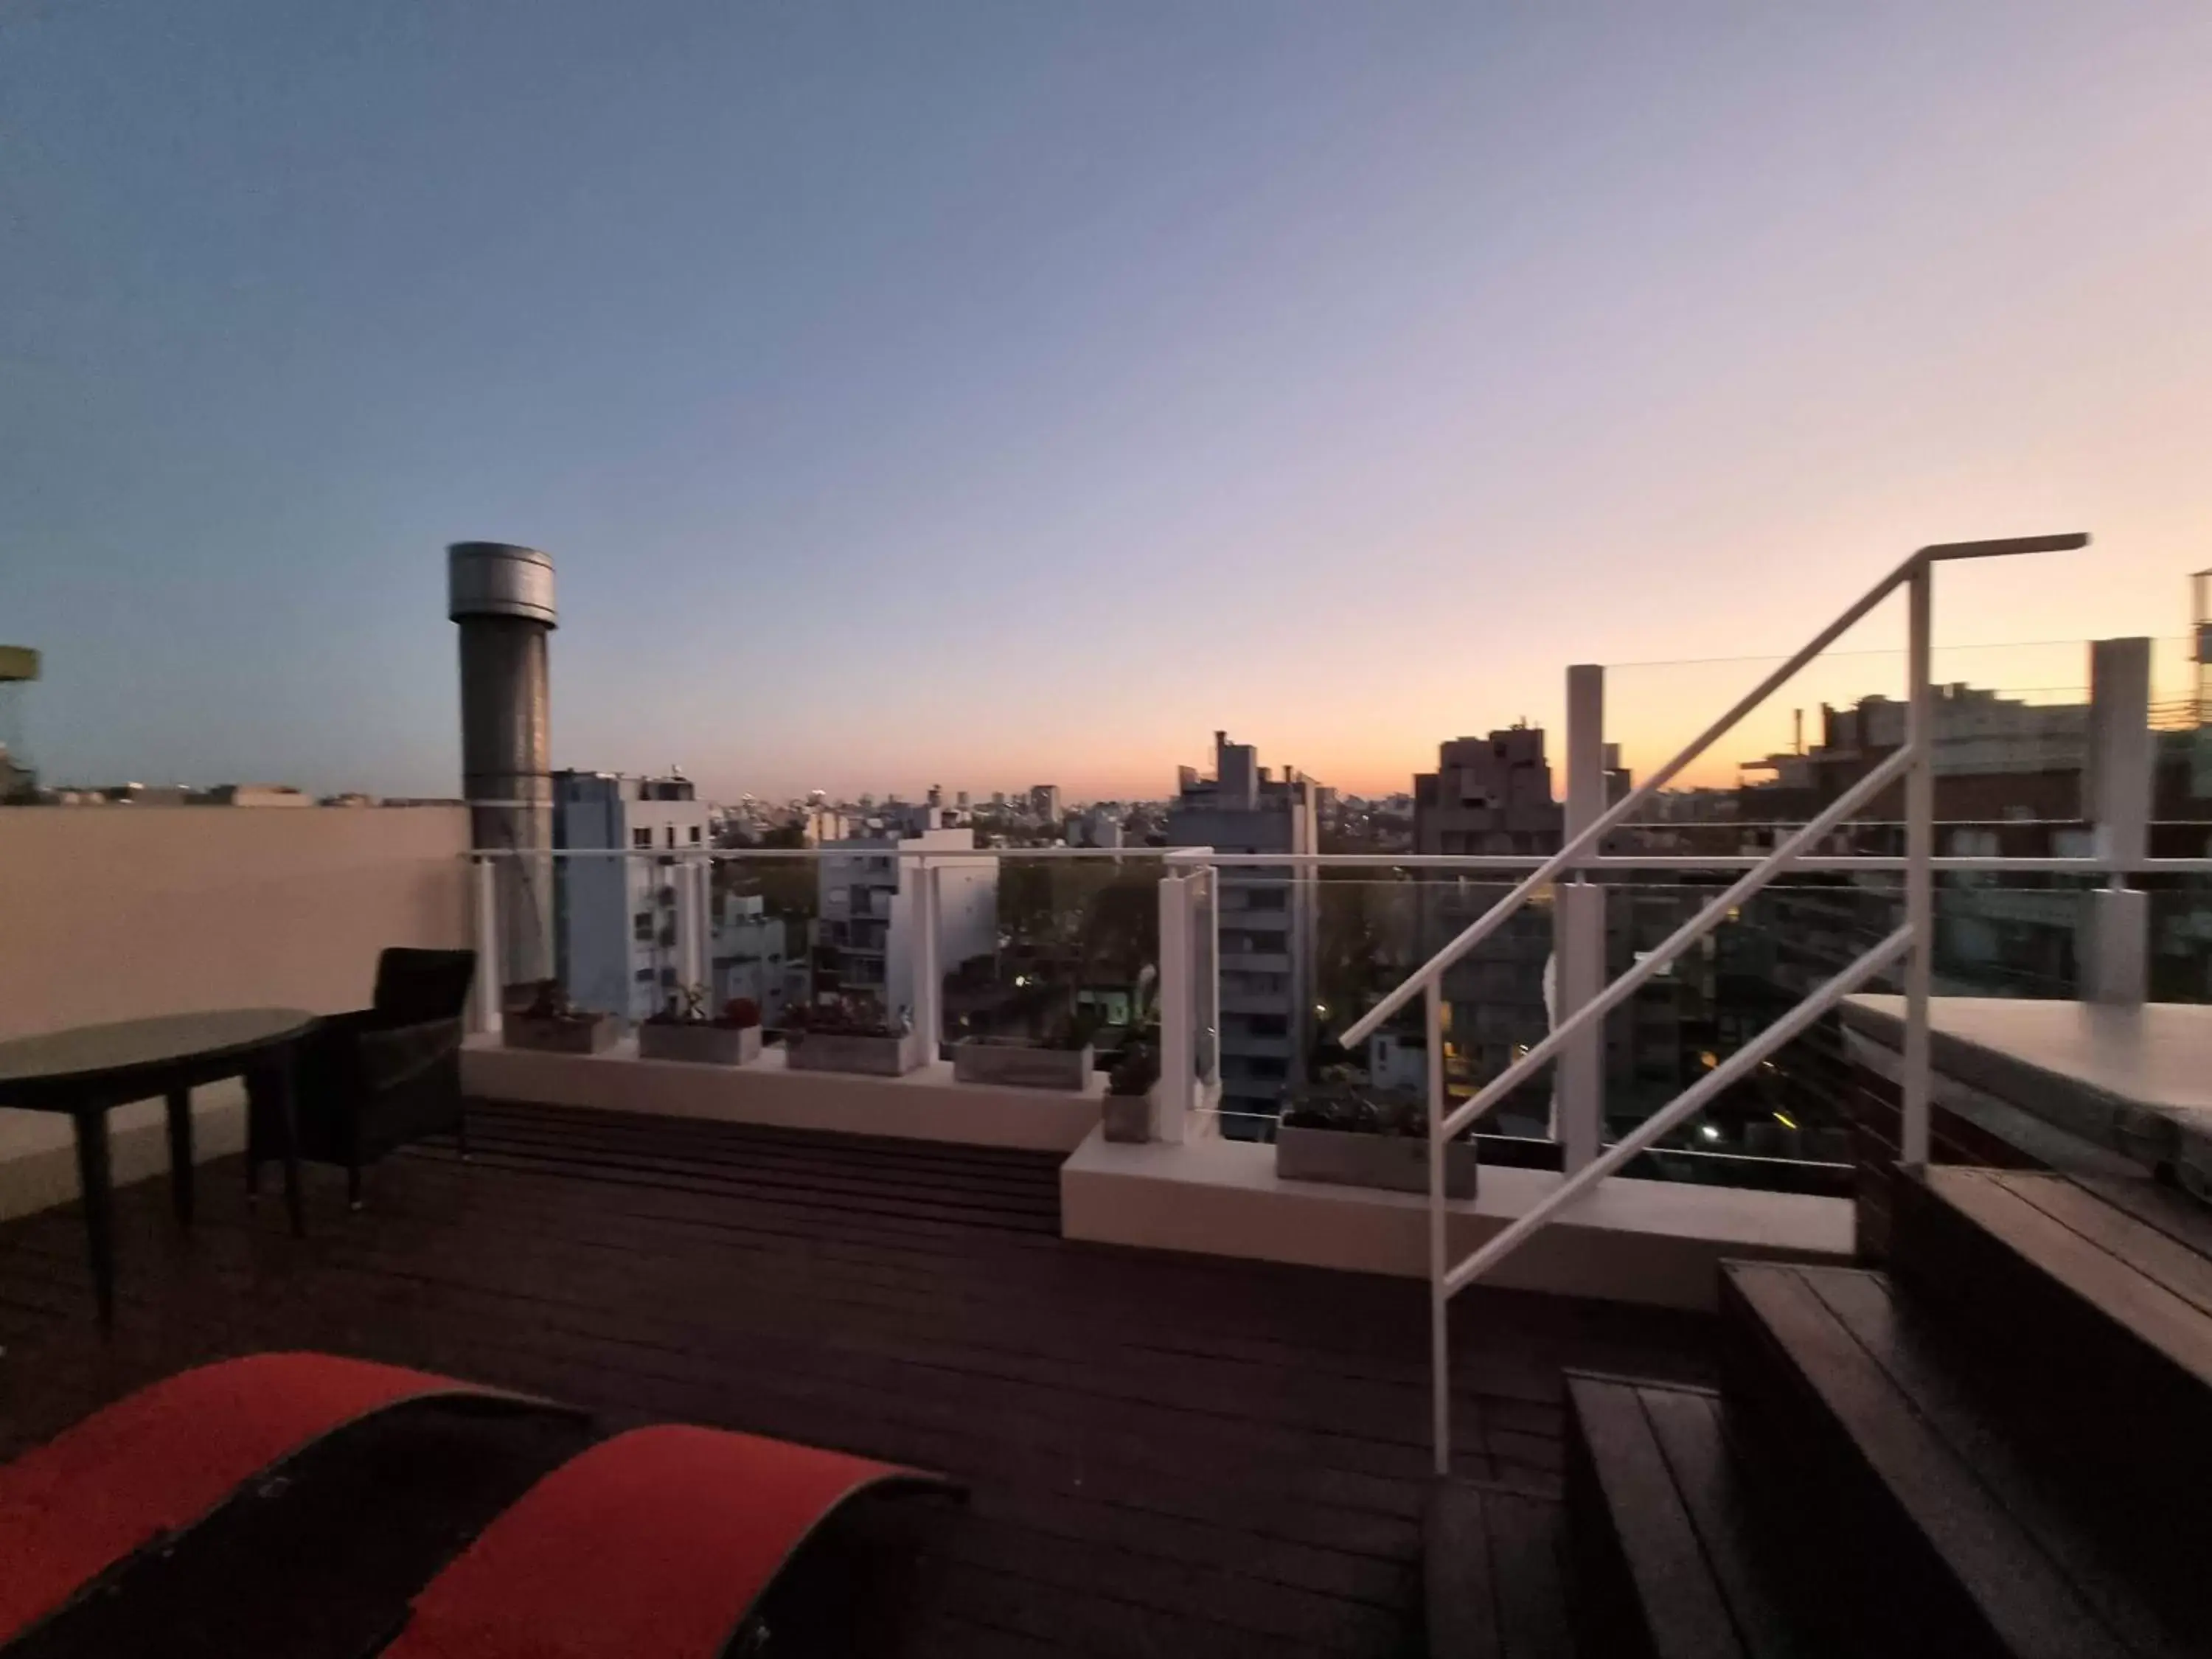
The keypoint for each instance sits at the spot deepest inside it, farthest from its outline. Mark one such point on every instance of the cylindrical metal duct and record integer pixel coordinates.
(502, 599)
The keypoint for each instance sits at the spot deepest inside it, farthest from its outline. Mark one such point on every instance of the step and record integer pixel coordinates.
(1941, 1534)
(1666, 1564)
(1491, 1574)
(2087, 1303)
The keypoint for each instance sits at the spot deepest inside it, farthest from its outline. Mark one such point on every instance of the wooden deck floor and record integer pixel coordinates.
(1167, 1455)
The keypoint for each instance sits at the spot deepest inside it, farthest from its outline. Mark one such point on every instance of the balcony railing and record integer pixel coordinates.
(1623, 997)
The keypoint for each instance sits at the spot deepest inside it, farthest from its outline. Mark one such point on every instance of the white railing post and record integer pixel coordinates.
(1178, 1061)
(928, 984)
(484, 996)
(702, 966)
(688, 926)
(1206, 965)
(1919, 848)
(1578, 928)
(2116, 787)
(1439, 1255)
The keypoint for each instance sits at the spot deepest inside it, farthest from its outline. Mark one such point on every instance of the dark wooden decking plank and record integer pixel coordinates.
(862, 1169)
(1687, 1426)
(2151, 1251)
(2124, 1293)
(2180, 1218)
(1019, 1174)
(2024, 1597)
(1863, 1303)
(1325, 1421)
(1680, 1598)
(1526, 1549)
(1325, 1396)
(1170, 1454)
(1244, 1404)
(1459, 1579)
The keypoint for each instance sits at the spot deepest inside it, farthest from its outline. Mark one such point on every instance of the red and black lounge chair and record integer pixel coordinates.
(112, 1502)
(658, 1544)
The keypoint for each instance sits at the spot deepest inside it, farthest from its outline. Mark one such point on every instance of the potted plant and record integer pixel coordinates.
(551, 1025)
(850, 1036)
(1351, 1134)
(1128, 1113)
(684, 1030)
(1061, 1061)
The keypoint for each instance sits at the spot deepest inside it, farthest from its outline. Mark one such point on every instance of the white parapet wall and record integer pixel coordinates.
(1654, 1241)
(110, 913)
(925, 1104)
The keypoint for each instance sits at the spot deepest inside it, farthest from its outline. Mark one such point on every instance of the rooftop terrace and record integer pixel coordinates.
(1167, 1453)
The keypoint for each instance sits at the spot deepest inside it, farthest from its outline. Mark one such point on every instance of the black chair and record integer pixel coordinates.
(371, 1081)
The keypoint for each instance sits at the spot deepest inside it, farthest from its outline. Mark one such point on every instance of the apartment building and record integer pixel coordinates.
(752, 957)
(1266, 925)
(869, 891)
(614, 927)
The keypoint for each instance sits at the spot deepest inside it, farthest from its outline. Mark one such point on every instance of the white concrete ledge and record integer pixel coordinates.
(38, 1149)
(924, 1105)
(1630, 1241)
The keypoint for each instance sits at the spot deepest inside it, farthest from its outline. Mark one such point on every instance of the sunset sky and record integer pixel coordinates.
(986, 394)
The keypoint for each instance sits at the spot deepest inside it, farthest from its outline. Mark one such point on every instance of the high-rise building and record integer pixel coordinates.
(1489, 795)
(1494, 795)
(1044, 803)
(615, 917)
(1265, 923)
(750, 957)
(868, 894)
(1099, 827)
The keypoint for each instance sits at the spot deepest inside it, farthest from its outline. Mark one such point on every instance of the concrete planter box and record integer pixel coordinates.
(1020, 1066)
(872, 1056)
(1345, 1157)
(594, 1036)
(699, 1045)
(1127, 1119)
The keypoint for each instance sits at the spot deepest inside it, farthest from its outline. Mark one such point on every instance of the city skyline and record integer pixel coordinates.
(995, 391)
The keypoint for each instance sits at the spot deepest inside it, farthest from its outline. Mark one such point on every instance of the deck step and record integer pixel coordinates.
(1667, 1563)
(1492, 1574)
(1941, 1536)
(2086, 1306)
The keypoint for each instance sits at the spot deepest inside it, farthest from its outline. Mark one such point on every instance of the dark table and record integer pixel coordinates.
(90, 1071)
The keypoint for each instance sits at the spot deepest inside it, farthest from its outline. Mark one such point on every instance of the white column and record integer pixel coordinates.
(1178, 1080)
(1205, 886)
(1919, 848)
(484, 996)
(928, 983)
(1578, 929)
(2113, 944)
(702, 965)
(1432, 1004)
(689, 924)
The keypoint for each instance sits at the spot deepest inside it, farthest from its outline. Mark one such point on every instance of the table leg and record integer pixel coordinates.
(99, 1231)
(282, 1074)
(180, 1154)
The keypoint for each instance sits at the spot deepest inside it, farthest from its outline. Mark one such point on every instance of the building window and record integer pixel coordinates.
(695, 834)
(644, 976)
(641, 838)
(671, 834)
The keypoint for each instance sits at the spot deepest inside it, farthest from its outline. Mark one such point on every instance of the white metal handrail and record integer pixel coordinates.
(1675, 943)
(1912, 942)
(1683, 1107)
(1914, 571)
